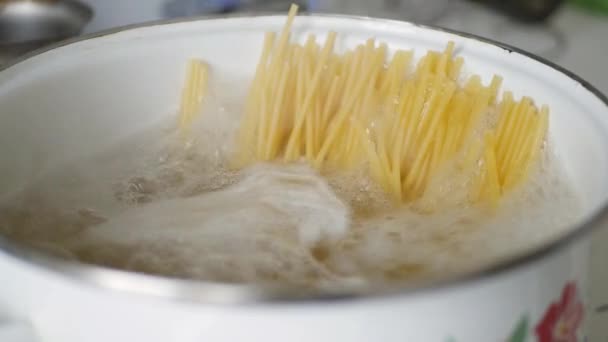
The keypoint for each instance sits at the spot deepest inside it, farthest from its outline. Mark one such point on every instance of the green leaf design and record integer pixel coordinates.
(520, 333)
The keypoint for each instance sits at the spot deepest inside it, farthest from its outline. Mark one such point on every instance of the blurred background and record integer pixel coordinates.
(571, 33)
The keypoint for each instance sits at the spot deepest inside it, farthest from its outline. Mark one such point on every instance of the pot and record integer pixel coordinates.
(76, 98)
(29, 25)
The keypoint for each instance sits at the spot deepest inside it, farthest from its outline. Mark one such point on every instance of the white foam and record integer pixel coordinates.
(160, 205)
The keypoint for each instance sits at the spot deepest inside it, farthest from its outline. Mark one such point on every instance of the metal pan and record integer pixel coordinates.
(26, 25)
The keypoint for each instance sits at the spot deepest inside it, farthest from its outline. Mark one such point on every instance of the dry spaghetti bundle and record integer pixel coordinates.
(412, 126)
(195, 88)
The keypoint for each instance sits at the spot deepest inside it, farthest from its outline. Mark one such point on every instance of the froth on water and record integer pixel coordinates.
(161, 204)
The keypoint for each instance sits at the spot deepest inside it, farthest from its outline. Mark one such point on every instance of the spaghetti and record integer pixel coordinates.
(362, 107)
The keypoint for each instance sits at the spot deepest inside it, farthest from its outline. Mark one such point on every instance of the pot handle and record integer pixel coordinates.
(16, 331)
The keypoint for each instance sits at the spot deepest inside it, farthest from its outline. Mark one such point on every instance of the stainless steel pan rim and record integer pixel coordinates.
(231, 294)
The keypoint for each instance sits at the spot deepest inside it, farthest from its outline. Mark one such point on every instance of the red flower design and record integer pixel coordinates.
(562, 319)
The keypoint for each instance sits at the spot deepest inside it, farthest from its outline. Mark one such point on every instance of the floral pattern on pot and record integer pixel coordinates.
(563, 318)
(520, 333)
(560, 322)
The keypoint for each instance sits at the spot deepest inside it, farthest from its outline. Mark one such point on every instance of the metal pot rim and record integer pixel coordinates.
(231, 294)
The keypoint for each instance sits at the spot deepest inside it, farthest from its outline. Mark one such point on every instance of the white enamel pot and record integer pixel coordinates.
(76, 98)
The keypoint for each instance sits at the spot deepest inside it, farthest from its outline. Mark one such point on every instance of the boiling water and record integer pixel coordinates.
(164, 205)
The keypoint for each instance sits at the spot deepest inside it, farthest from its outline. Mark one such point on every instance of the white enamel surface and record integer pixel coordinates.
(62, 310)
(79, 98)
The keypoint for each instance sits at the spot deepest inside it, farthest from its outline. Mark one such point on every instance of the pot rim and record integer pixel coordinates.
(202, 292)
